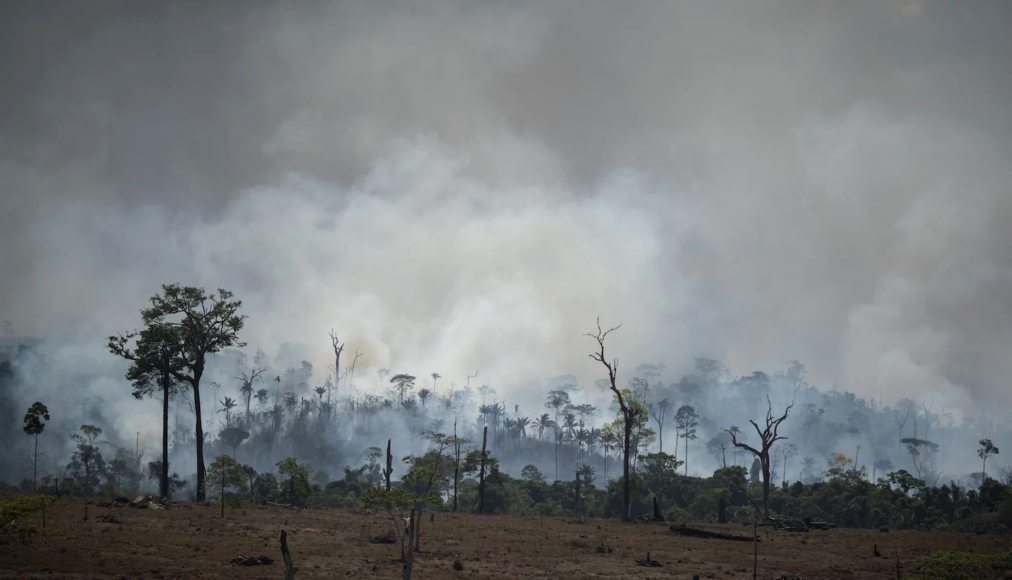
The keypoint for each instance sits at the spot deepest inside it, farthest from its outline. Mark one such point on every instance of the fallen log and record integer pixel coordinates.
(252, 561)
(697, 533)
(821, 525)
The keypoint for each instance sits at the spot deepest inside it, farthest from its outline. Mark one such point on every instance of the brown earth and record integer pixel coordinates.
(191, 541)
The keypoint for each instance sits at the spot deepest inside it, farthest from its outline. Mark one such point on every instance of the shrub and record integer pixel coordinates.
(15, 513)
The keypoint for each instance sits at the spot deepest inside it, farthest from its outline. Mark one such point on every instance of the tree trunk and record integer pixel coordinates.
(418, 530)
(481, 475)
(222, 495)
(410, 560)
(764, 463)
(456, 462)
(556, 454)
(201, 471)
(35, 464)
(163, 480)
(626, 487)
(577, 486)
(87, 487)
(686, 456)
(290, 569)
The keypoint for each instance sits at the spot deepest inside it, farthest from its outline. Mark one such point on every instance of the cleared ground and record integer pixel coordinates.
(188, 541)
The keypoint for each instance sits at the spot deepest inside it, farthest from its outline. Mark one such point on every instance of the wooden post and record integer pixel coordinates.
(289, 569)
(481, 474)
(390, 466)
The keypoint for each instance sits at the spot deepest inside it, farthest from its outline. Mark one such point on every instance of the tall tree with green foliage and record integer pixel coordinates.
(687, 420)
(557, 400)
(155, 358)
(205, 322)
(35, 424)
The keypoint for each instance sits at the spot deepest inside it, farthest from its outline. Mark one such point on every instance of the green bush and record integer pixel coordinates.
(15, 516)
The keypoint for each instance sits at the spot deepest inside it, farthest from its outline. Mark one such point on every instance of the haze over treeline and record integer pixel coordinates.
(455, 187)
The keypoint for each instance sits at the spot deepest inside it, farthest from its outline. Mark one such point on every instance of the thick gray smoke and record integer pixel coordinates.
(455, 187)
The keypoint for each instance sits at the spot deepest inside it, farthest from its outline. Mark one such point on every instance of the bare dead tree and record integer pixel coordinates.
(768, 435)
(469, 377)
(630, 413)
(247, 377)
(659, 411)
(338, 348)
(349, 374)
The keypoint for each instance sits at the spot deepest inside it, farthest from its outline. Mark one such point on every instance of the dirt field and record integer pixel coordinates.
(189, 541)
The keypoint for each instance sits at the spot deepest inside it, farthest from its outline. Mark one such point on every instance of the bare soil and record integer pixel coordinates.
(192, 541)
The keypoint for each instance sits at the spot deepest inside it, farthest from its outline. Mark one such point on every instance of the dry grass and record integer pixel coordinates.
(190, 541)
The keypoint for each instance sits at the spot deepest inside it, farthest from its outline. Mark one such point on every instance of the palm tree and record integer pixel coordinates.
(593, 436)
(522, 423)
(484, 411)
(425, 394)
(609, 442)
(543, 422)
(247, 378)
(227, 404)
(569, 423)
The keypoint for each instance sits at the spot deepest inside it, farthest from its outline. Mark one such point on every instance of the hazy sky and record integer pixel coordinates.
(462, 185)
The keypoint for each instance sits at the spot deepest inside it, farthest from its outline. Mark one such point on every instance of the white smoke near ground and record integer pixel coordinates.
(452, 188)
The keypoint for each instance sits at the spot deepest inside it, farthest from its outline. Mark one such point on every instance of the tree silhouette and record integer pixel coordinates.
(768, 435)
(88, 456)
(658, 411)
(403, 383)
(35, 424)
(227, 404)
(248, 377)
(987, 449)
(155, 358)
(631, 414)
(687, 420)
(921, 452)
(206, 323)
(541, 423)
(225, 472)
